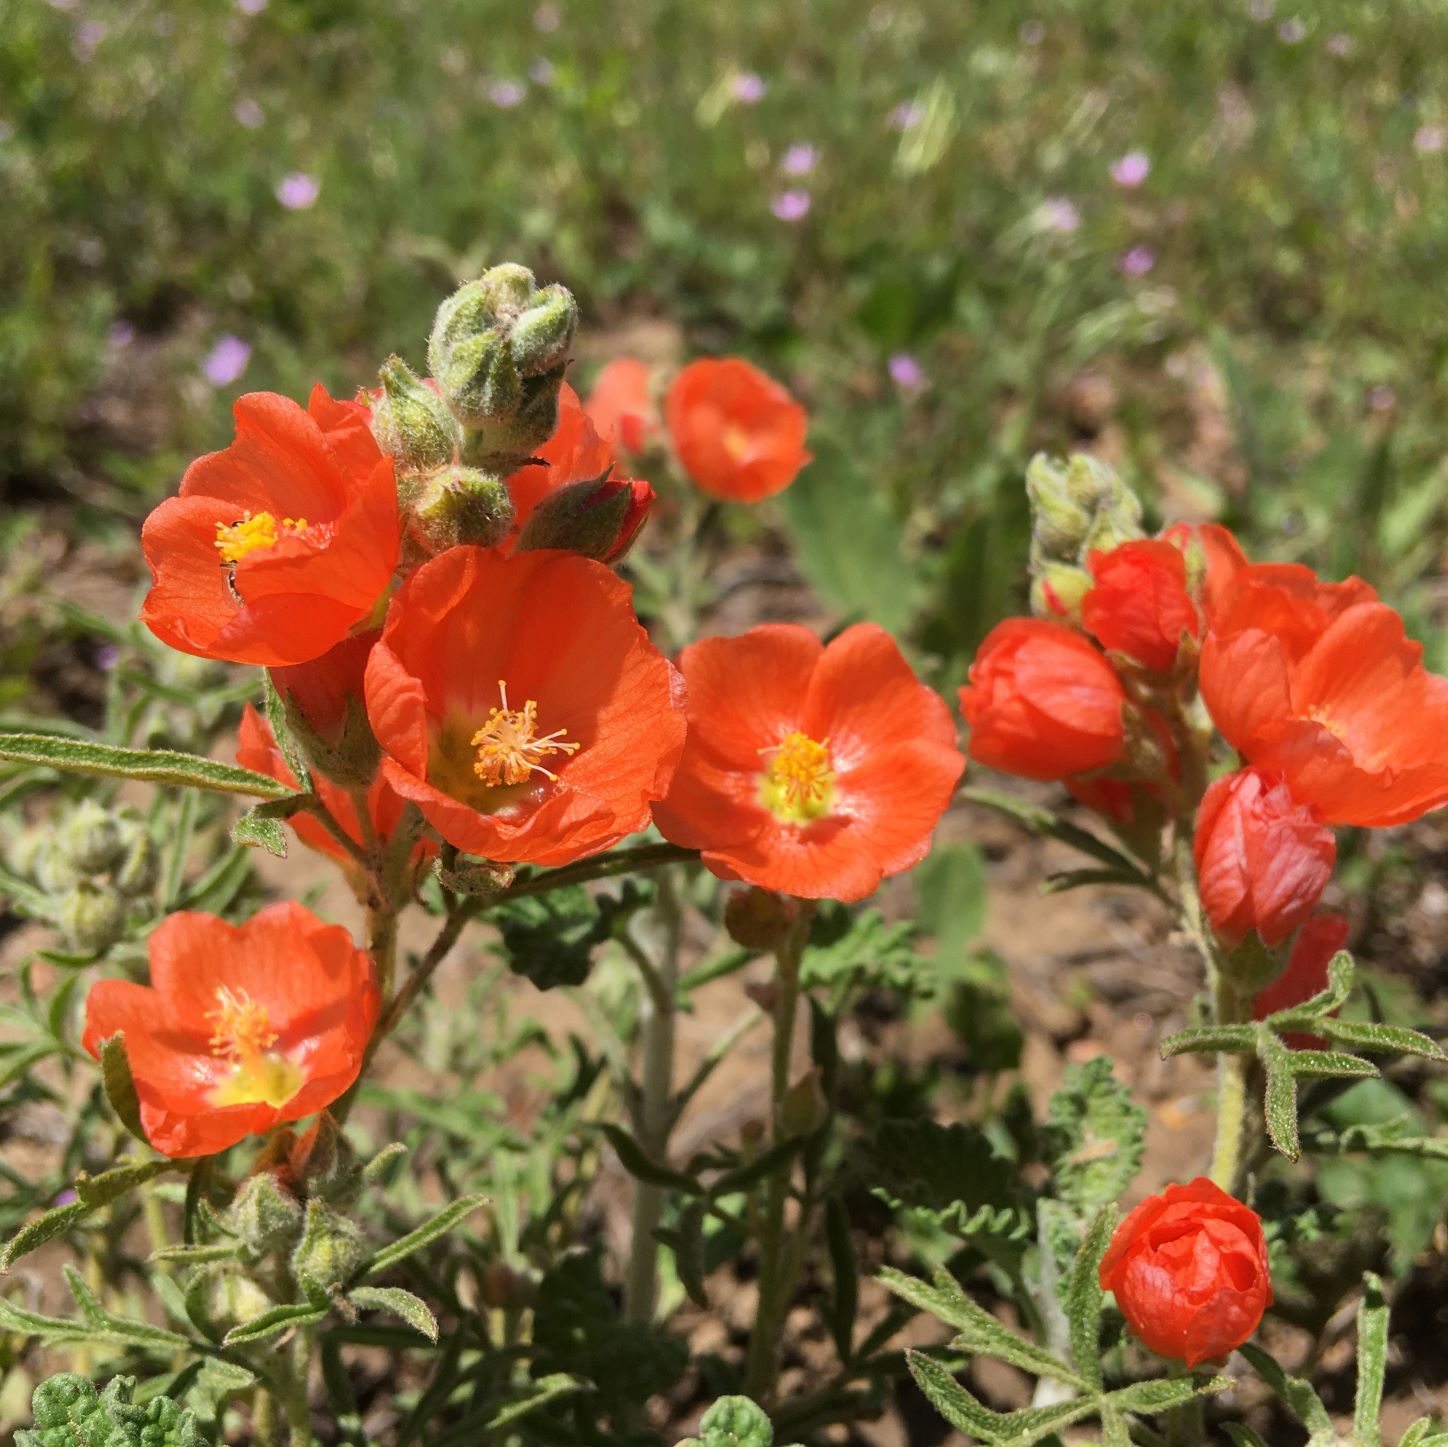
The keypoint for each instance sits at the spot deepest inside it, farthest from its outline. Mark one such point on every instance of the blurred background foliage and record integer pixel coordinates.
(916, 213)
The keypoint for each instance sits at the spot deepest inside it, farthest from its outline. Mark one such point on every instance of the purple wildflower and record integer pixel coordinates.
(799, 159)
(906, 372)
(1058, 213)
(1032, 32)
(1382, 397)
(1131, 169)
(1339, 44)
(121, 334)
(505, 94)
(1261, 10)
(66, 1197)
(906, 116)
(87, 39)
(747, 87)
(1292, 31)
(251, 7)
(226, 361)
(1428, 140)
(791, 205)
(248, 113)
(298, 191)
(1137, 262)
(546, 18)
(541, 71)
(107, 656)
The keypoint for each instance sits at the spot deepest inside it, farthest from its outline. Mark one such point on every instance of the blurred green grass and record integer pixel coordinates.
(1281, 362)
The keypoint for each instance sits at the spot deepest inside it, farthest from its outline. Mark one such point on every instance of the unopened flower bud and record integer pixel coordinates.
(804, 1108)
(599, 518)
(1058, 590)
(543, 333)
(759, 919)
(91, 837)
(230, 1297)
(141, 862)
(1058, 520)
(413, 423)
(54, 870)
(331, 1248)
(480, 381)
(326, 1163)
(266, 1215)
(92, 917)
(462, 505)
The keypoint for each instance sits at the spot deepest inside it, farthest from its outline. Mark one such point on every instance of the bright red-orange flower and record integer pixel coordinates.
(1139, 605)
(810, 770)
(576, 457)
(1318, 682)
(280, 545)
(621, 405)
(520, 704)
(1189, 1271)
(242, 1026)
(1262, 858)
(1221, 557)
(738, 434)
(1042, 702)
(1305, 974)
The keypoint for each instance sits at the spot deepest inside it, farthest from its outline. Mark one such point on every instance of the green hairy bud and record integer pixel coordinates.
(266, 1215)
(461, 505)
(92, 917)
(140, 864)
(91, 837)
(331, 1248)
(412, 423)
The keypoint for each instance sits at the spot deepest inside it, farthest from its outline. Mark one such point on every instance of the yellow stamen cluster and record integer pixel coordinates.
(799, 781)
(240, 1028)
(241, 1034)
(252, 534)
(737, 442)
(510, 747)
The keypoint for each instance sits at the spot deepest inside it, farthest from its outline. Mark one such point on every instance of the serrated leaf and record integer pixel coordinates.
(424, 1235)
(638, 1164)
(1093, 1137)
(1212, 1038)
(1084, 1296)
(402, 1304)
(979, 1332)
(940, 1169)
(1362, 1036)
(120, 1089)
(92, 1192)
(1149, 1398)
(1372, 1363)
(546, 1389)
(951, 1400)
(273, 1323)
(258, 831)
(1297, 1392)
(69, 1412)
(735, 1422)
(152, 766)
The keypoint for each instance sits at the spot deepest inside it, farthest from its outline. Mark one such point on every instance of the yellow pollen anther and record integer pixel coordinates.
(252, 534)
(509, 745)
(240, 1028)
(799, 780)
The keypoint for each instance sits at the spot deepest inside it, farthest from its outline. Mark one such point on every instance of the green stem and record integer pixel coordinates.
(762, 1362)
(660, 1011)
(602, 866)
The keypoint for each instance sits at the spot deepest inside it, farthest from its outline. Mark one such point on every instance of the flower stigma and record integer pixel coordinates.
(799, 783)
(241, 1034)
(253, 534)
(510, 747)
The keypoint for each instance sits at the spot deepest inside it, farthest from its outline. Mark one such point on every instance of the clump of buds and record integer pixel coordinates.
(88, 869)
(1077, 507)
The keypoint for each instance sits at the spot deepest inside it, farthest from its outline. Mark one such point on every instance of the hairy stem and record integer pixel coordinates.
(641, 1284)
(773, 1249)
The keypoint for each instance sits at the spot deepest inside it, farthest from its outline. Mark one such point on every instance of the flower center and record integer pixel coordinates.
(241, 1033)
(253, 534)
(799, 783)
(737, 442)
(509, 745)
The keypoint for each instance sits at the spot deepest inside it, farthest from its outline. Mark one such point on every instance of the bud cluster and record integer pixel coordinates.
(89, 868)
